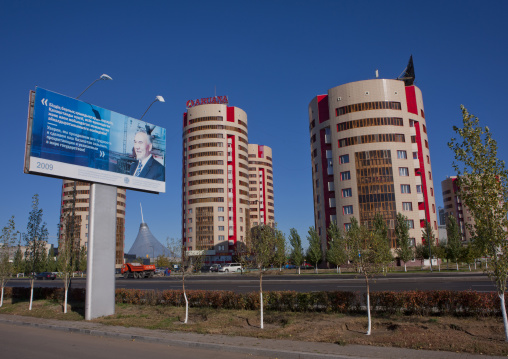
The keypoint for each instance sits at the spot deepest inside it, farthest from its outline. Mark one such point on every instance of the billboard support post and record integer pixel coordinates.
(100, 279)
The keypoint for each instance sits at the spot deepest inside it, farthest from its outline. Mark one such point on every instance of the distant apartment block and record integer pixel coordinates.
(453, 206)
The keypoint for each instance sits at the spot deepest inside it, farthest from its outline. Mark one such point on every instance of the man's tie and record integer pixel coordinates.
(138, 171)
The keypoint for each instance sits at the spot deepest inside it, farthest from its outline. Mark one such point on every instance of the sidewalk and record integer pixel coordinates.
(262, 347)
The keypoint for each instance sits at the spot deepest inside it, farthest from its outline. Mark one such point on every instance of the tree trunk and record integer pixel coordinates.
(505, 320)
(337, 269)
(261, 298)
(299, 270)
(405, 267)
(369, 327)
(469, 264)
(186, 308)
(457, 263)
(2, 297)
(31, 293)
(340, 272)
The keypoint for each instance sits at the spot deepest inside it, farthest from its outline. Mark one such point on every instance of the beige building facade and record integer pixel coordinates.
(215, 180)
(370, 154)
(81, 213)
(261, 186)
(453, 206)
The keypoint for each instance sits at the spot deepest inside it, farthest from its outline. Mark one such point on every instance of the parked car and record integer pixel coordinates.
(45, 275)
(231, 267)
(205, 269)
(290, 266)
(306, 266)
(215, 267)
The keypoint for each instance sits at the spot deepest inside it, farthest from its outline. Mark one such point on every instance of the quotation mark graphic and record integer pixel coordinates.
(44, 101)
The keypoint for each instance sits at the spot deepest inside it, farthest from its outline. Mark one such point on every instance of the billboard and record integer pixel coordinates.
(71, 139)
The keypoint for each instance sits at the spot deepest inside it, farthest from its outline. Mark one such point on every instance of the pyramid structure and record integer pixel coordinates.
(146, 244)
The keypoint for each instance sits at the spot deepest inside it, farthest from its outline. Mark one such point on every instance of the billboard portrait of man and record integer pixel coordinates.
(146, 166)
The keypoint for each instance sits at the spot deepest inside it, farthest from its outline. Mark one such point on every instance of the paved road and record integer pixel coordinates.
(30, 342)
(303, 283)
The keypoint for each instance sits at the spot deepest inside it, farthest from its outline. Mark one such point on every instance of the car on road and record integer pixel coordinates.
(231, 267)
(45, 276)
(306, 266)
(215, 267)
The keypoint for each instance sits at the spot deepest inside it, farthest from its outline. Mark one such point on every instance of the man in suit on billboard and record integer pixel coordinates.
(146, 166)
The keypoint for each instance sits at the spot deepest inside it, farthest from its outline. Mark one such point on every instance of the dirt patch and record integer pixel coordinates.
(469, 335)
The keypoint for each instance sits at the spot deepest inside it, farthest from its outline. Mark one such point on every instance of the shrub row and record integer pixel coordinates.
(442, 302)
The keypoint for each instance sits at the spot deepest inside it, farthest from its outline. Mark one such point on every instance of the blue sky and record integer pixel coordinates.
(269, 57)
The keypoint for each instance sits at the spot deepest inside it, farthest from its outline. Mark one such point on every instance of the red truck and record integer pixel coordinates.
(137, 270)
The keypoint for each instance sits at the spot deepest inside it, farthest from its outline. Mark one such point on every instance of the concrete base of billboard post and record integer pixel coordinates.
(100, 279)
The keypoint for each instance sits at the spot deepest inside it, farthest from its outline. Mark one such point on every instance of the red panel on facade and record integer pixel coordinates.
(263, 196)
(326, 178)
(231, 114)
(422, 170)
(185, 119)
(323, 113)
(233, 172)
(261, 151)
(411, 100)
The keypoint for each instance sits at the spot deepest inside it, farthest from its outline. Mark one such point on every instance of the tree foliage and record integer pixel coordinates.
(296, 256)
(404, 250)
(7, 240)
(314, 252)
(369, 248)
(453, 244)
(483, 188)
(337, 253)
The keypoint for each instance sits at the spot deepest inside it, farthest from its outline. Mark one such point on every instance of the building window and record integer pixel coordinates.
(189, 230)
(431, 192)
(346, 192)
(220, 209)
(412, 242)
(418, 188)
(402, 155)
(221, 228)
(430, 175)
(428, 159)
(317, 183)
(410, 223)
(347, 226)
(317, 199)
(403, 171)
(405, 188)
(411, 123)
(426, 144)
(433, 208)
(221, 219)
(345, 176)
(415, 155)
(407, 206)
(344, 159)
(413, 139)
(318, 215)
(347, 210)
(190, 210)
(221, 238)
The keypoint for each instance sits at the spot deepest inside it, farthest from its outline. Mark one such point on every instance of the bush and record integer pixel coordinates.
(439, 302)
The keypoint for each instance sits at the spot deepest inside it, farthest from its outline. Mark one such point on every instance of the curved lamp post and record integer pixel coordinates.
(157, 98)
(103, 77)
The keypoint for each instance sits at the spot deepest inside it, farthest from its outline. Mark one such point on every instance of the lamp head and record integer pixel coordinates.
(106, 77)
(159, 98)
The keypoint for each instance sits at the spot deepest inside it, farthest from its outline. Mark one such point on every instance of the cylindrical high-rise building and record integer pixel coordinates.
(81, 212)
(215, 179)
(370, 154)
(261, 186)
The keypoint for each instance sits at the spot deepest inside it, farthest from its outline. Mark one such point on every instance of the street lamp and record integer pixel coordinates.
(157, 98)
(103, 77)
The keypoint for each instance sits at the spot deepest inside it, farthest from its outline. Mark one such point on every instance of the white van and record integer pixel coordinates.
(231, 267)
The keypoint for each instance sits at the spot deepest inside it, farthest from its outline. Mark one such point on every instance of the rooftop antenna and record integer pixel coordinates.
(377, 73)
(142, 220)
